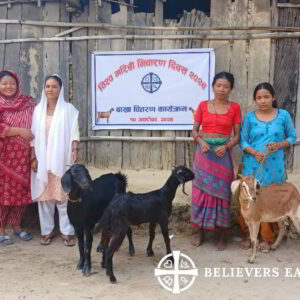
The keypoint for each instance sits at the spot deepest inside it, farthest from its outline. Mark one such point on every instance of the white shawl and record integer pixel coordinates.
(56, 155)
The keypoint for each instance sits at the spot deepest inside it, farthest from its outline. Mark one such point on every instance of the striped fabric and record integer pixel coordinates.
(11, 215)
(211, 194)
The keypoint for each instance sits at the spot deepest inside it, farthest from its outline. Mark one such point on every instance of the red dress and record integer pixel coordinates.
(15, 151)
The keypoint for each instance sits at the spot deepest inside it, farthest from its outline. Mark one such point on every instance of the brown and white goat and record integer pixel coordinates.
(266, 204)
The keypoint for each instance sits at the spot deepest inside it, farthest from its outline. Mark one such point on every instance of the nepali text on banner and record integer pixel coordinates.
(154, 90)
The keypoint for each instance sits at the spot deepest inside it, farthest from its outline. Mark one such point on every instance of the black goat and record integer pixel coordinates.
(134, 209)
(87, 201)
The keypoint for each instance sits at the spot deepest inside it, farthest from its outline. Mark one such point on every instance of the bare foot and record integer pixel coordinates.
(198, 238)
(221, 245)
(16, 228)
(245, 244)
(222, 242)
(264, 247)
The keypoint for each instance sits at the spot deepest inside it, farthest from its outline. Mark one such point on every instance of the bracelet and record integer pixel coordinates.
(280, 145)
(196, 138)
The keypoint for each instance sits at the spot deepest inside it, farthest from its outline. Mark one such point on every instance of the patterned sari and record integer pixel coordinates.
(211, 188)
(15, 150)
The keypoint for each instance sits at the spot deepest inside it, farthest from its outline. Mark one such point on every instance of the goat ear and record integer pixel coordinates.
(66, 181)
(235, 185)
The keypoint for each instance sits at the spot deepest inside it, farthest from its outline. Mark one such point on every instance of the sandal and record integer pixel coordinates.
(47, 239)
(23, 235)
(5, 240)
(68, 240)
(264, 247)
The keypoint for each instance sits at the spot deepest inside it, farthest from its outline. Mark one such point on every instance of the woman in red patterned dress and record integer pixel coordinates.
(15, 135)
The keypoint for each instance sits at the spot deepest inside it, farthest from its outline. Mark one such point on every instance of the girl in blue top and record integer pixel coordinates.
(265, 134)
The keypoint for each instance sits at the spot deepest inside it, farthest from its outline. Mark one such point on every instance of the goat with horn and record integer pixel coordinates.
(270, 203)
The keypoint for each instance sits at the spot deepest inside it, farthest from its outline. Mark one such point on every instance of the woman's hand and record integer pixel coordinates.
(75, 155)
(221, 151)
(273, 147)
(261, 156)
(204, 146)
(34, 165)
(26, 134)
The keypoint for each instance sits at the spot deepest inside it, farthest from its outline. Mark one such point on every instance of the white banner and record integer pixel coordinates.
(153, 90)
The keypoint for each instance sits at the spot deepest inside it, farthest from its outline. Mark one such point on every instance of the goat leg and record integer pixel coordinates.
(296, 219)
(106, 239)
(114, 245)
(80, 238)
(131, 249)
(87, 252)
(279, 236)
(253, 229)
(151, 239)
(165, 232)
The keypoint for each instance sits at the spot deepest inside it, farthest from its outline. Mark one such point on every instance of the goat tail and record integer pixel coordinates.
(121, 182)
(104, 223)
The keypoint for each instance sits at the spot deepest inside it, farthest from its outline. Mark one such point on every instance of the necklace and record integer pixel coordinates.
(213, 102)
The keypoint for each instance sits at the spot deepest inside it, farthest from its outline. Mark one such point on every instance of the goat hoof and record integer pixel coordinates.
(86, 273)
(80, 265)
(112, 279)
(99, 249)
(251, 260)
(86, 270)
(150, 252)
(131, 252)
(273, 247)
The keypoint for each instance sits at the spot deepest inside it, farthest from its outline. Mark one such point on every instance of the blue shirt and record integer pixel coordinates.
(257, 134)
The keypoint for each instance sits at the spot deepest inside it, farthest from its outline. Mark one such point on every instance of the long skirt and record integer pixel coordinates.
(211, 193)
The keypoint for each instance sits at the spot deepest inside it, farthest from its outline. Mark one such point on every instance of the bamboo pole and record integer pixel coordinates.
(228, 37)
(136, 138)
(161, 28)
(10, 2)
(67, 31)
(288, 5)
(121, 3)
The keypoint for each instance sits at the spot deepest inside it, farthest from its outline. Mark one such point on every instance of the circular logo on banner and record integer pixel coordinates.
(178, 276)
(151, 82)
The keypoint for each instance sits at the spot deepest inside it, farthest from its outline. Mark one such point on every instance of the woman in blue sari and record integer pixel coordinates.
(265, 134)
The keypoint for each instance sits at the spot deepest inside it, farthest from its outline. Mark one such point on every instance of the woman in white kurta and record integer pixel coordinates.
(54, 148)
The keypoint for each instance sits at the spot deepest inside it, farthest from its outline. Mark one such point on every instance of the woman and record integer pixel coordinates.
(266, 132)
(15, 136)
(213, 166)
(55, 147)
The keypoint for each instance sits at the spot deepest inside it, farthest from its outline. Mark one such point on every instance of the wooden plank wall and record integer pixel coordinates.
(156, 155)
(249, 61)
(33, 61)
(286, 76)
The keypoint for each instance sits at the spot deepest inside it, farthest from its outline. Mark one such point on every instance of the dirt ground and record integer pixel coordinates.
(31, 271)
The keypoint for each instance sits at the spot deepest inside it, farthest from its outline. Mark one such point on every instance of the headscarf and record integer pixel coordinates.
(17, 102)
(55, 155)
